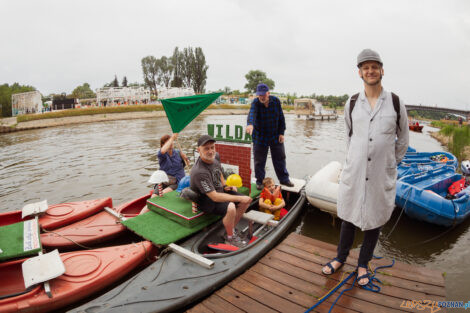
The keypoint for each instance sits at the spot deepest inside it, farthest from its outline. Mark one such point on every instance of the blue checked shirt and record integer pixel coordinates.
(268, 122)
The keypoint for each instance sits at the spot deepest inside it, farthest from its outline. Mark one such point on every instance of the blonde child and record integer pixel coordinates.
(270, 200)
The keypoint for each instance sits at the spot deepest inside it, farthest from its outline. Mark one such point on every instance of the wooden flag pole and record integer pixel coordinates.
(181, 151)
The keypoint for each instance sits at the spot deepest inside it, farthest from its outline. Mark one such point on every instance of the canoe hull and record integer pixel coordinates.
(94, 229)
(87, 272)
(59, 215)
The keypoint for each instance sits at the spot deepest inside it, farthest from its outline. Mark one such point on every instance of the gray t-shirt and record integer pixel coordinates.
(206, 177)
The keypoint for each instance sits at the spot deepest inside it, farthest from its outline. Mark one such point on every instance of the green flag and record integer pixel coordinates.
(181, 111)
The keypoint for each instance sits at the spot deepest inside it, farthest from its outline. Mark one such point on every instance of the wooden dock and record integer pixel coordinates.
(289, 279)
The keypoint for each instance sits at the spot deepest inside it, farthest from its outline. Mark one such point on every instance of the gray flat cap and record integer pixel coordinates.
(368, 55)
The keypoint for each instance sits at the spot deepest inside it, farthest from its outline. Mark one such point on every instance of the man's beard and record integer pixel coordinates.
(375, 83)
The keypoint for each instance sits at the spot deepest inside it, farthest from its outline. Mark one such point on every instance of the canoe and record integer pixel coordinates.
(94, 229)
(441, 157)
(172, 282)
(86, 272)
(322, 189)
(423, 197)
(59, 215)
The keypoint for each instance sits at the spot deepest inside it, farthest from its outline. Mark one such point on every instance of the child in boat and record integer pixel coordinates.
(271, 201)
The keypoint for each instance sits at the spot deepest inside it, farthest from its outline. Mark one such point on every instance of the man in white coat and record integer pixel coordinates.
(377, 140)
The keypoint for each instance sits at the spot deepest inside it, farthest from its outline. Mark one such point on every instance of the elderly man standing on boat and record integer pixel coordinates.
(215, 196)
(377, 140)
(266, 124)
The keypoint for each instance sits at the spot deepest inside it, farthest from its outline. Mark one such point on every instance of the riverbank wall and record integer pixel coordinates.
(8, 125)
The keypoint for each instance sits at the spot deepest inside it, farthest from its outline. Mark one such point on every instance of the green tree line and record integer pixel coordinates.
(185, 68)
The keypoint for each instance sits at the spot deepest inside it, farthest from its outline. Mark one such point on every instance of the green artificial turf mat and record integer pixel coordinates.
(163, 231)
(15, 242)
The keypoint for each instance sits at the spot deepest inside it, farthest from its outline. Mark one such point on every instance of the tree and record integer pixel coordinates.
(115, 82)
(82, 92)
(166, 70)
(199, 71)
(255, 77)
(177, 62)
(188, 66)
(150, 70)
(124, 82)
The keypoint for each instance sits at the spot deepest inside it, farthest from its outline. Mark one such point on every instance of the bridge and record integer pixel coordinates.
(463, 113)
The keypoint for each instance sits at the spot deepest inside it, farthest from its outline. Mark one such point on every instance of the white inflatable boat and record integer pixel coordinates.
(322, 189)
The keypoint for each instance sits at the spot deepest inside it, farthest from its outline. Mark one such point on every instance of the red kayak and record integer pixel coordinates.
(59, 215)
(86, 272)
(94, 229)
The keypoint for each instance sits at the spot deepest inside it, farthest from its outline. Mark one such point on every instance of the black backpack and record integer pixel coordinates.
(396, 106)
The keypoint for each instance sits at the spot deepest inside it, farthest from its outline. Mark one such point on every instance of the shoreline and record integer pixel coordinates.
(8, 125)
(444, 140)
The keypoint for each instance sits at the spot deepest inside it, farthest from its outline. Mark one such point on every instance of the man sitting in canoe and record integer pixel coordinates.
(216, 197)
(171, 162)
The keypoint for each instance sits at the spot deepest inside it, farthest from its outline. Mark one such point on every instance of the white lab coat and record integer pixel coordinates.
(366, 194)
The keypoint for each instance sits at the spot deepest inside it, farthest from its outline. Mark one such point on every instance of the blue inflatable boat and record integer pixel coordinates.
(440, 157)
(423, 197)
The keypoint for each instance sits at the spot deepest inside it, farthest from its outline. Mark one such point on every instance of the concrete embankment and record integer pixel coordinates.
(10, 125)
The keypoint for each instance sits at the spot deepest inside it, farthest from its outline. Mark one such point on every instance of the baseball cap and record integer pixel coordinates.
(368, 55)
(261, 89)
(204, 139)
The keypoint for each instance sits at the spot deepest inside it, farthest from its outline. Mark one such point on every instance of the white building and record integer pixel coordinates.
(110, 96)
(174, 92)
(26, 102)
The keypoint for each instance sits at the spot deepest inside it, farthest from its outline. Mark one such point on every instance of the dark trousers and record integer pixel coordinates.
(278, 155)
(346, 240)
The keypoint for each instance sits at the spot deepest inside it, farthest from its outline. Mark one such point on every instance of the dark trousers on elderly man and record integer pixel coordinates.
(278, 155)
(347, 238)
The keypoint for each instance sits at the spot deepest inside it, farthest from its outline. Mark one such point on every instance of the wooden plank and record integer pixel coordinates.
(200, 308)
(389, 296)
(356, 299)
(288, 292)
(263, 296)
(242, 301)
(434, 275)
(217, 304)
(385, 274)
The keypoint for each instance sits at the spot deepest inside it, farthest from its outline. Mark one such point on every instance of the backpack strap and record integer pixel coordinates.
(396, 106)
(352, 103)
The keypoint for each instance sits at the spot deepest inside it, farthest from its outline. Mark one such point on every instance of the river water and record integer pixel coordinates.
(115, 159)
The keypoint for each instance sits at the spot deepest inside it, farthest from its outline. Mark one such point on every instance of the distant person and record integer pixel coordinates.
(270, 199)
(172, 162)
(377, 140)
(267, 125)
(215, 197)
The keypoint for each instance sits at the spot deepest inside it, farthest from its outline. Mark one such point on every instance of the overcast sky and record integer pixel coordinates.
(304, 46)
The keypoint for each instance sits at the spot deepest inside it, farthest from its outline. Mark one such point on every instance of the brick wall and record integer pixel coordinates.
(237, 154)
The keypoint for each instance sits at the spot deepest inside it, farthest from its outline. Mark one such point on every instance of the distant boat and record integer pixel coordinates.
(423, 197)
(414, 125)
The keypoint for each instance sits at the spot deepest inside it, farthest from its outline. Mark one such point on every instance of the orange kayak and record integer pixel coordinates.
(86, 272)
(94, 229)
(59, 215)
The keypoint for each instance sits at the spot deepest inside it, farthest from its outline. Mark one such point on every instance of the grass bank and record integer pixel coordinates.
(122, 109)
(457, 138)
(88, 111)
